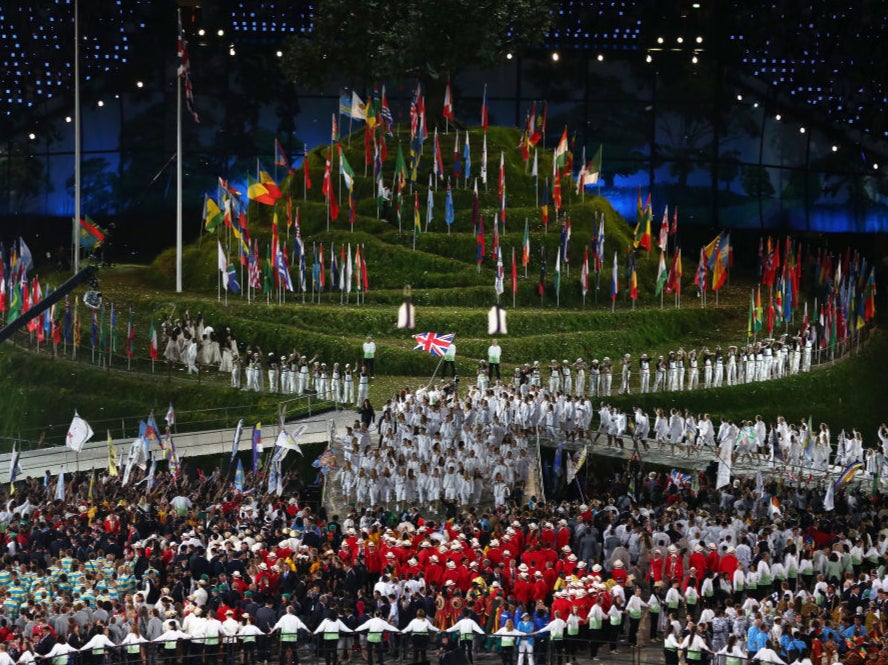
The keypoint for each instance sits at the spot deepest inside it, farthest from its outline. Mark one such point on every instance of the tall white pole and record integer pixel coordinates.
(179, 185)
(75, 230)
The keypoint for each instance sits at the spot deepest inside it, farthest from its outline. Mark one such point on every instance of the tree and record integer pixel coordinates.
(756, 181)
(370, 41)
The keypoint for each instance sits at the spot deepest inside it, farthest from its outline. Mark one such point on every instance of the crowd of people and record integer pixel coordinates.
(194, 570)
(434, 447)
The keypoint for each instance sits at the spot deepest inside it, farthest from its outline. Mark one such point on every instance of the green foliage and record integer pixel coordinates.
(366, 42)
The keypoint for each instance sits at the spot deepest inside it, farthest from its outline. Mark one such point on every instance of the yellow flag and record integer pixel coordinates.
(92, 482)
(112, 458)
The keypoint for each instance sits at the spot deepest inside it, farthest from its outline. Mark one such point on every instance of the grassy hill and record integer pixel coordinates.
(451, 292)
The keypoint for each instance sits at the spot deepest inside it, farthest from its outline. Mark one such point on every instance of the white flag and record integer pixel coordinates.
(484, 160)
(223, 265)
(288, 440)
(829, 503)
(724, 473)
(78, 433)
(60, 485)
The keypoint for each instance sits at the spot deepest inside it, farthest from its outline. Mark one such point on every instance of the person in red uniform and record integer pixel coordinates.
(712, 558)
(619, 572)
(674, 568)
(434, 572)
(728, 563)
(698, 561)
(655, 567)
(562, 538)
(523, 589)
(540, 587)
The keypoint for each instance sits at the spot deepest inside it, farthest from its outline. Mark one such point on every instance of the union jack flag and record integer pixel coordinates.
(434, 343)
(184, 71)
(679, 479)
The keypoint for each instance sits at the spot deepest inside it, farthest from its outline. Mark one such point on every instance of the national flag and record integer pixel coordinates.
(599, 254)
(449, 214)
(258, 192)
(498, 285)
(633, 280)
(573, 468)
(256, 443)
(417, 224)
(679, 479)
(662, 275)
(584, 272)
(457, 168)
(289, 440)
(184, 71)
(673, 229)
(593, 170)
(722, 261)
(558, 272)
(525, 245)
(268, 182)
(348, 174)
(112, 457)
(334, 271)
(430, 204)
(642, 234)
(448, 103)
(484, 161)
(581, 176)
(152, 339)
(253, 271)
(700, 274)
(560, 157)
(239, 430)
(386, 113)
(479, 241)
(305, 168)
(95, 329)
(544, 205)
(170, 416)
(438, 162)
(663, 241)
(280, 157)
(239, 478)
(615, 279)
(673, 283)
(222, 264)
(79, 432)
(710, 251)
(774, 508)
(365, 284)
(91, 236)
(467, 158)
(565, 239)
(433, 343)
(809, 439)
(113, 327)
(541, 287)
(484, 110)
(514, 274)
(556, 194)
(212, 214)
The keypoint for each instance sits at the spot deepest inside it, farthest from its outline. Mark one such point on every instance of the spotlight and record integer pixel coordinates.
(201, 32)
(680, 40)
(755, 105)
(280, 54)
(659, 40)
(739, 98)
(648, 58)
(694, 60)
(32, 136)
(600, 57)
(508, 56)
(699, 40)
(555, 56)
(139, 84)
(778, 117)
(231, 51)
(67, 118)
(835, 148)
(220, 32)
(875, 167)
(100, 103)
(801, 130)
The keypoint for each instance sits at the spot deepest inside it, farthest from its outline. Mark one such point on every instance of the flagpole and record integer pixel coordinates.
(179, 182)
(77, 148)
